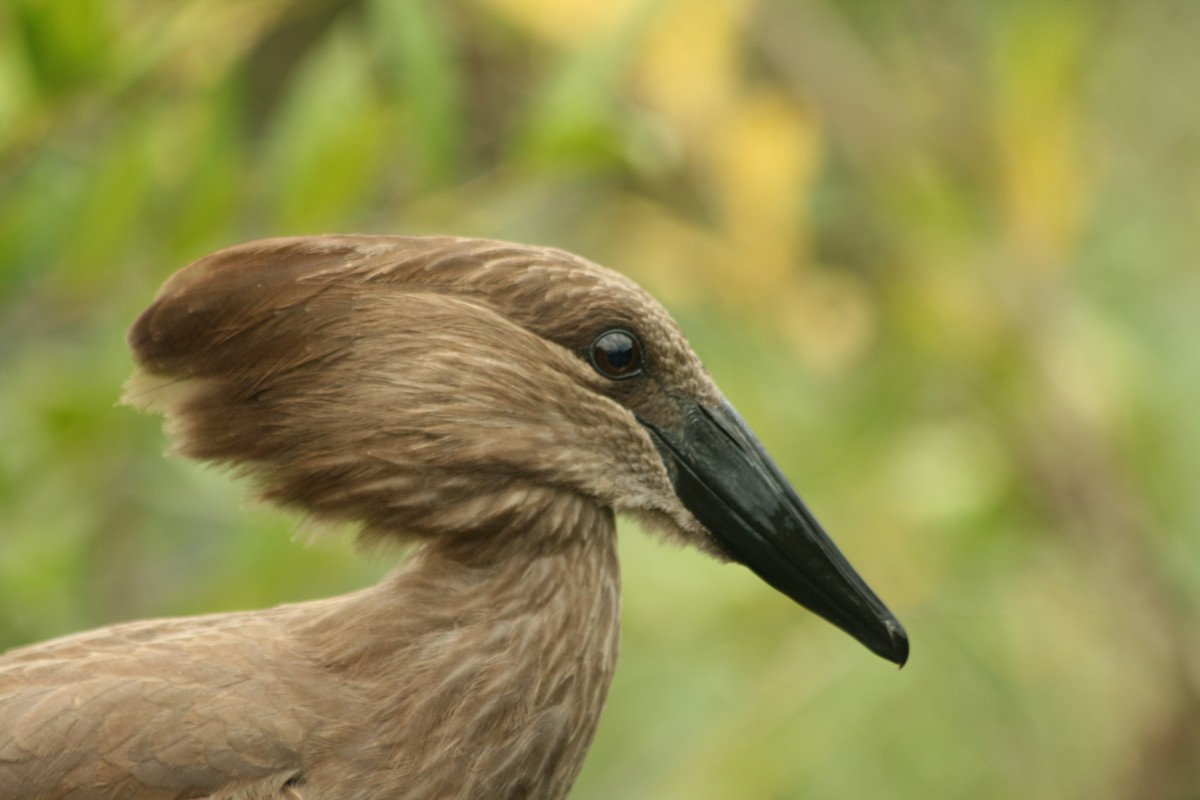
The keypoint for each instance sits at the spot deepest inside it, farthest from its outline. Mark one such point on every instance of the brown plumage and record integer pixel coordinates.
(460, 393)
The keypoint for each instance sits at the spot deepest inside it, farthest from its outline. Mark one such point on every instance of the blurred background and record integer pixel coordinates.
(942, 256)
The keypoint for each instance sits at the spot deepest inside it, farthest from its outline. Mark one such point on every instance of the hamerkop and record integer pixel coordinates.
(495, 404)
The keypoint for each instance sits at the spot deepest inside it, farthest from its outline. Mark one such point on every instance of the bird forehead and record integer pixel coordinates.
(555, 294)
(556, 286)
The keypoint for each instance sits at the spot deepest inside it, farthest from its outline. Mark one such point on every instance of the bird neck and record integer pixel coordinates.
(486, 653)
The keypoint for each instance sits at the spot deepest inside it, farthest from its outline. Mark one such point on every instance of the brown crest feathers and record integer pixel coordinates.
(388, 380)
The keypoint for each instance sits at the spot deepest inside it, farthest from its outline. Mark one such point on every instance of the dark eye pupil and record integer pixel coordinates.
(617, 354)
(619, 357)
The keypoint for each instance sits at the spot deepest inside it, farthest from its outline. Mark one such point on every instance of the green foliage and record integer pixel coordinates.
(941, 256)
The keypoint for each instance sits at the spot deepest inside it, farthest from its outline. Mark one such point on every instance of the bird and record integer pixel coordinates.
(493, 405)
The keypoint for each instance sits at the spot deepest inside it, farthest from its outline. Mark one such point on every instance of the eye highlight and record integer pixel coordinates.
(616, 354)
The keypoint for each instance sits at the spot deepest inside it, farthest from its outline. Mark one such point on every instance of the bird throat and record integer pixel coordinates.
(487, 664)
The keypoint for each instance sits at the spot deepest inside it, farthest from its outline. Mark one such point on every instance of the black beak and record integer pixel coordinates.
(725, 478)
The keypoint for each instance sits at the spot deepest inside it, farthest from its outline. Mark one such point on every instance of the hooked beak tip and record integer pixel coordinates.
(899, 640)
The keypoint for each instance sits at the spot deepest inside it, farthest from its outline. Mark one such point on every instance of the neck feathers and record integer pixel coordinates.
(485, 660)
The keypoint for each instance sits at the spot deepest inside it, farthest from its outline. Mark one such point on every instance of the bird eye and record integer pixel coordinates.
(616, 354)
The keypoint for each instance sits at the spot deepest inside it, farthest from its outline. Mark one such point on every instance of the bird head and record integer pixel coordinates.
(428, 387)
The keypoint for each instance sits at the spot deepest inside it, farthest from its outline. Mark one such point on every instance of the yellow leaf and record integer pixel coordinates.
(690, 66)
(762, 162)
(567, 23)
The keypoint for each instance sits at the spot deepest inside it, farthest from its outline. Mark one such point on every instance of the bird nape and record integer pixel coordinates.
(495, 403)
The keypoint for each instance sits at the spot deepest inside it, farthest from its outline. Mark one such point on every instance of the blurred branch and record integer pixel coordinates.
(826, 64)
(274, 59)
(1087, 494)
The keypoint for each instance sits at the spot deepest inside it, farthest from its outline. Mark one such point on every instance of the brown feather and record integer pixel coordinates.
(425, 388)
